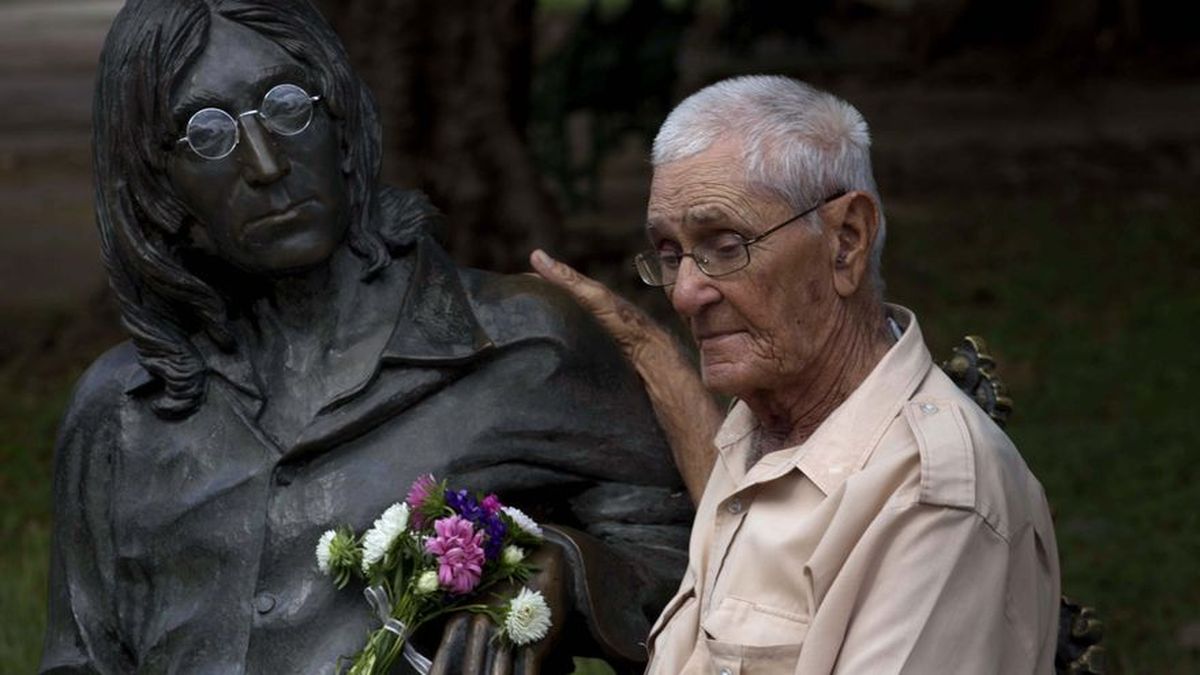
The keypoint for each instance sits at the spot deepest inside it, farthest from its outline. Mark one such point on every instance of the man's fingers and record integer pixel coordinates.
(628, 325)
(590, 293)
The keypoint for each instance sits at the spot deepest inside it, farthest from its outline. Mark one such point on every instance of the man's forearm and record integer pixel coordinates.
(686, 412)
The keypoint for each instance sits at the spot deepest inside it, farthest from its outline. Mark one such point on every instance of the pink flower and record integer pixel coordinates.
(421, 488)
(491, 505)
(420, 491)
(459, 552)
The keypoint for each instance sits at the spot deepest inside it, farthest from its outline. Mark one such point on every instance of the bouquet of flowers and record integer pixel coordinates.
(431, 554)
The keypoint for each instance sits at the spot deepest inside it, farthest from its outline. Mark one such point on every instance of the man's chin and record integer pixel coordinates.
(726, 379)
(295, 255)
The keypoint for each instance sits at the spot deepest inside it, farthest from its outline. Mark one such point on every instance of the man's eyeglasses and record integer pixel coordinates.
(213, 133)
(722, 254)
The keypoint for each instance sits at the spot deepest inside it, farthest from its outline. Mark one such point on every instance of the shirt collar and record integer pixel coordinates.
(436, 324)
(842, 443)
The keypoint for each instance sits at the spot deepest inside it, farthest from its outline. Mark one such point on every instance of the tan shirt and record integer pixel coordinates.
(906, 535)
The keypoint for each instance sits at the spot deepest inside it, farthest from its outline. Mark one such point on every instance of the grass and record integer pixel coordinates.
(1089, 310)
(28, 416)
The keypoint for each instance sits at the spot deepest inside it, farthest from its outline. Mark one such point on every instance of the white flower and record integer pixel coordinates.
(324, 551)
(528, 617)
(379, 539)
(427, 583)
(511, 555)
(523, 521)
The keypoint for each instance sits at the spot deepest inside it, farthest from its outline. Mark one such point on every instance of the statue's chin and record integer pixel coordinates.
(290, 251)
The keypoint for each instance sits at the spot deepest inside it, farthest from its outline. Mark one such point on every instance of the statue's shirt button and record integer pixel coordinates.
(284, 476)
(264, 602)
(734, 506)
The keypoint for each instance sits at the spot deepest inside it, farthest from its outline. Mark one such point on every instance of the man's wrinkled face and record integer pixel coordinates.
(276, 204)
(759, 328)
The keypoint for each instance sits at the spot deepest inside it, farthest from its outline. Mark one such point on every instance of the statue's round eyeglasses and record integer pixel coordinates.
(716, 256)
(286, 110)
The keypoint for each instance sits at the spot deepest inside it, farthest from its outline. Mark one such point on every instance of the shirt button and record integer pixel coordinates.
(928, 408)
(283, 476)
(735, 506)
(264, 602)
(726, 671)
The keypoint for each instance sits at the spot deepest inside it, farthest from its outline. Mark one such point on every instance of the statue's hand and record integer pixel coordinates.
(688, 415)
(468, 643)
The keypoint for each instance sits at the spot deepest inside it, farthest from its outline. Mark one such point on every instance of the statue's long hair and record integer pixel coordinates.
(143, 221)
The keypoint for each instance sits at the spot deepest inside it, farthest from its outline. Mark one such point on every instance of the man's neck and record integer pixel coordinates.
(309, 302)
(318, 336)
(788, 416)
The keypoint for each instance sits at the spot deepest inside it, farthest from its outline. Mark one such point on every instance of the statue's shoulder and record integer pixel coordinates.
(517, 307)
(91, 428)
(105, 385)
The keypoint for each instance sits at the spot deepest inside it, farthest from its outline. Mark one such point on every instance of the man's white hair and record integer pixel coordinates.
(799, 143)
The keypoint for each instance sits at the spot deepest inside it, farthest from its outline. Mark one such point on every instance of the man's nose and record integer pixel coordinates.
(693, 290)
(261, 161)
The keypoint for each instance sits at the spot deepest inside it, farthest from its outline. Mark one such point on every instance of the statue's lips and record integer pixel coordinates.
(268, 225)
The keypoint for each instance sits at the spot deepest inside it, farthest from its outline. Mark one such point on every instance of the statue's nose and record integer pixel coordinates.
(262, 162)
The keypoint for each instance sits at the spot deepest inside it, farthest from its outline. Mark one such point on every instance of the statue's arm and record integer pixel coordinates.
(634, 514)
(584, 450)
(81, 635)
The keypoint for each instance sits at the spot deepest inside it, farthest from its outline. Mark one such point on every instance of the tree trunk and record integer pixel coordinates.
(452, 80)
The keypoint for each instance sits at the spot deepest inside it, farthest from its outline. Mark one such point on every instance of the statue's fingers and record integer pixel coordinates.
(450, 653)
(479, 635)
(500, 661)
(528, 661)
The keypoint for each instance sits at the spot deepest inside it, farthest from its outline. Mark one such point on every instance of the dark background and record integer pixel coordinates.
(1039, 164)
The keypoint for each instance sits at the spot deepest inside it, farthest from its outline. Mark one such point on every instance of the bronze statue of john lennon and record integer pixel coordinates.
(302, 349)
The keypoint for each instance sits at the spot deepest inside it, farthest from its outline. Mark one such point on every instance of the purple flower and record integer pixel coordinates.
(495, 529)
(465, 505)
(483, 515)
(459, 555)
(491, 505)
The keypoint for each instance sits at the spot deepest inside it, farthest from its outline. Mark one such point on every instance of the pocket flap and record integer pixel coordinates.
(743, 622)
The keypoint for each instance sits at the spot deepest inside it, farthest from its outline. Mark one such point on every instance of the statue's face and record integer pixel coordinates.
(276, 204)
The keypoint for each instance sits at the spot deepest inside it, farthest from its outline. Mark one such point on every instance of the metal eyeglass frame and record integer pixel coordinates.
(237, 132)
(643, 260)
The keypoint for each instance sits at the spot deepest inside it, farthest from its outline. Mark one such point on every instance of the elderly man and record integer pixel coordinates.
(302, 349)
(860, 515)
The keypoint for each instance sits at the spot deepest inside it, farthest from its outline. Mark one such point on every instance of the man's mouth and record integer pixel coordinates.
(712, 336)
(266, 222)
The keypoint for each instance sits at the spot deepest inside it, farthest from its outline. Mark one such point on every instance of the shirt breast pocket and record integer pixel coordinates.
(751, 638)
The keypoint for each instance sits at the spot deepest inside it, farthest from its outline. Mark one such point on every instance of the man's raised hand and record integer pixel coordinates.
(685, 410)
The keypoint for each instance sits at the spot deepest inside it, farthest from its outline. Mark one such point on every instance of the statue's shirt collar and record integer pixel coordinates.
(435, 326)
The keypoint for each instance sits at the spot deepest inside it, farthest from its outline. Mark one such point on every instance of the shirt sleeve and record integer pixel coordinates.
(943, 592)
(81, 632)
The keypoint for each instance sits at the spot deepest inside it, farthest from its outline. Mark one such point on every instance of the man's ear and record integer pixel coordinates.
(853, 224)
